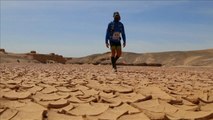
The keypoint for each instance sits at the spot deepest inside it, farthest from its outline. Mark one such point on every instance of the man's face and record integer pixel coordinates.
(117, 18)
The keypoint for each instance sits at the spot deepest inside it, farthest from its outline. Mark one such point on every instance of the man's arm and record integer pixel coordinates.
(123, 35)
(107, 34)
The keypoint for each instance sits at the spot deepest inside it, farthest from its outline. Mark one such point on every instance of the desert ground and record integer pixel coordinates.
(35, 91)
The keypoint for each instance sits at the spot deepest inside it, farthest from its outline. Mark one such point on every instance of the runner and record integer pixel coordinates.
(114, 30)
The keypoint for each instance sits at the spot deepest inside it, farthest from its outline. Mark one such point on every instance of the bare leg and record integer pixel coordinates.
(112, 52)
(113, 57)
(118, 54)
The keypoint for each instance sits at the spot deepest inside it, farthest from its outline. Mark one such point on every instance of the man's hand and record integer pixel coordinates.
(107, 45)
(124, 44)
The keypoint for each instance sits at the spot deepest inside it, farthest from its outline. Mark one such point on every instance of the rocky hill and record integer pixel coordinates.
(31, 57)
(171, 58)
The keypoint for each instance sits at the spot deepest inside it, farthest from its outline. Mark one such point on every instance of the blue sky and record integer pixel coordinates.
(77, 28)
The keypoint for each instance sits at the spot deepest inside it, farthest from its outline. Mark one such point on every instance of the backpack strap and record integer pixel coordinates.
(112, 28)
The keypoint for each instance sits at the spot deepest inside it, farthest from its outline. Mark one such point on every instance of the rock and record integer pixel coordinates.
(155, 92)
(31, 107)
(16, 95)
(2, 110)
(26, 86)
(111, 114)
(58, 104)
(155, 115)
(63, 89)
(138, 116)
(35, 89)
(46, 97)
(2, 50)
(112, 102)
(130, 109)
(190, 115)
(192, 100)
(82, 88)
(74, 99)
(151, 107)
(131, 97)
(89, 109)
(49, 90)
(90, 92)
(93, 83)
(64, 95)
(44, 58)
(56, 116)
(76, 93)
(33, 52)
(205, 100)
(50, 61)
(176, 102)
(37, 115)
(12, 104)
(66, 108)
(188, 107)
(43, 103)
(96, 85)
(146, 104)
(88, 99)
(121, 89)
(207, 107)
(8, 114)
(52, 54)
(14, 82)
(107, 95)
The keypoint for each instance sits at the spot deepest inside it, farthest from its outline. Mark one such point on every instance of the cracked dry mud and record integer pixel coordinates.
(89, 92)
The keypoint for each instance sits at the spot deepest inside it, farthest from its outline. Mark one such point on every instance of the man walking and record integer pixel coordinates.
(114, 32)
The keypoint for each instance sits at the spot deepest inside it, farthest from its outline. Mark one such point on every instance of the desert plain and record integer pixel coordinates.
(36, 91)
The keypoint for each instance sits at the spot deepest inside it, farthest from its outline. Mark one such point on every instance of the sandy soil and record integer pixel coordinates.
(88, 92)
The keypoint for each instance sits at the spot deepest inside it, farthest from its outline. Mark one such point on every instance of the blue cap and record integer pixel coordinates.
(116, 14)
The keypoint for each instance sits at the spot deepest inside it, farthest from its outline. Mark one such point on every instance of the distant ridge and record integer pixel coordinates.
(170, 58)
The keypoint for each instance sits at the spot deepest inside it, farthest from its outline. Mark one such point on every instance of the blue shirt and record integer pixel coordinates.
(115, 27)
